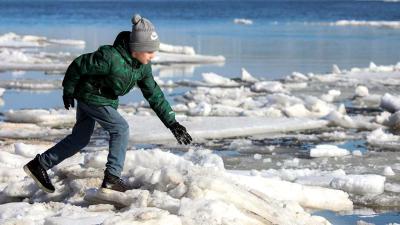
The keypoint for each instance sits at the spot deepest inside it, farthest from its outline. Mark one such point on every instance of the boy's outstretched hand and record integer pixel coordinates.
(180, 133)
(68, 102)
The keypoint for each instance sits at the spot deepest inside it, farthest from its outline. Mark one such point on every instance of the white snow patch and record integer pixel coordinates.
(390, 103)
(361, 91)
(356, 153)
(268, 86)
(40, 116)
(246, 76)
(383, 118)
(388, 171)
(384, 24)
(257, 156)
(331, 95)
(312, 197)
(18, 41)
(215, 79)
(378, 136)
(392, 187)
(335, 69)
(328, 151)
(186, 50)
(360, 184)
(243, 21)
(171, 58)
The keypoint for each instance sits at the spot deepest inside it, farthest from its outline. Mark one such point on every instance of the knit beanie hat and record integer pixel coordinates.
(144, 37)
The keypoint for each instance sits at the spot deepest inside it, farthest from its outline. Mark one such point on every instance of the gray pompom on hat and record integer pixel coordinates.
(144, 37)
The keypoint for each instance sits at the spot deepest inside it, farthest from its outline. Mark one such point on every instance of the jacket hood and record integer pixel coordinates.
(121, 43)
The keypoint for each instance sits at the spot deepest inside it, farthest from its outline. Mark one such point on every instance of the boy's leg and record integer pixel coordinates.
(118, 128)
(71, 144)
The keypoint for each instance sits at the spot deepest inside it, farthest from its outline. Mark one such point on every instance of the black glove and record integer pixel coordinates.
(180, 133)
(68, 102)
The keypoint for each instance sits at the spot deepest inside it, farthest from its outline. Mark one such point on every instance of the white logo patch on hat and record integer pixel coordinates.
(154, 36)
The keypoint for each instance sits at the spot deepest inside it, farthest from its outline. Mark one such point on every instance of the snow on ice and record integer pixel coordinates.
(189, 189)
(328, 151)
(31, 121)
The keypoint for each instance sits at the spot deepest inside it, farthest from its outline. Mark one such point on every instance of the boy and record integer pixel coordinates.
(96, 80)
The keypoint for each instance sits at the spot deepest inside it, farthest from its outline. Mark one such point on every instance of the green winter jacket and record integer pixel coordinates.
(98, 78)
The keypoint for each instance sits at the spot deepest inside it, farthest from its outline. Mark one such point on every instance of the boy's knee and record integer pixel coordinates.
(82, 142)
(125, 126)
(79, 142)
(122, 128)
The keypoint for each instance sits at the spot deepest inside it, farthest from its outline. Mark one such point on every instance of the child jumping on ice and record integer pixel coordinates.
(96, 80)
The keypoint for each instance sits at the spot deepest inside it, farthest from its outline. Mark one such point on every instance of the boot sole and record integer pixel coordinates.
(27, 171)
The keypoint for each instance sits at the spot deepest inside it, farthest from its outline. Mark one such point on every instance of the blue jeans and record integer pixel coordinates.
(86, 116)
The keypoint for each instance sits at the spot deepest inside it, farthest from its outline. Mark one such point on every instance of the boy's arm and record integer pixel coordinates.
(154, 95)
(96, 63)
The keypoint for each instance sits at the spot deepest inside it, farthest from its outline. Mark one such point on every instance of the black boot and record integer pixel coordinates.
(112, 182)
(39, 175)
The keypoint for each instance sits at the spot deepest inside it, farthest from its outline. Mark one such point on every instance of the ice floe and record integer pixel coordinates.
(41, 116)
(288, 191)
(187, 50)
(22, 53)
(388, 171)
(27, 130)
(384, 24)
(336, 69)
(390, 103)
(381, 138)
(338, 119)
(30, 84)
(217, 80)
(243, 21)
(361, 91)
(268, 86)
(328, 151)
(360, 184)
(392, 187)
(12, 40)
(201, 128)
(331, 95)
(247, 77)
(21, 59)
(170, 58)
(265, 98)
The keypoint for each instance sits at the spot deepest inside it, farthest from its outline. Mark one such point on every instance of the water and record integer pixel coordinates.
(384, 218)
(286, 36)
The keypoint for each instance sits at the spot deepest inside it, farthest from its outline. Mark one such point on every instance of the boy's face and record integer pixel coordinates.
(143, 57)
